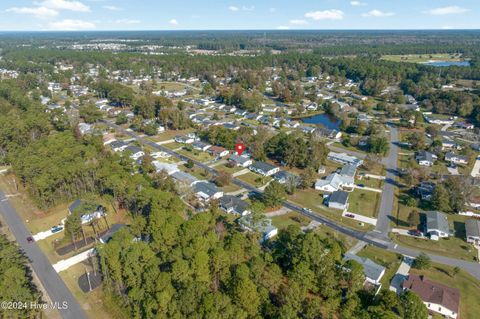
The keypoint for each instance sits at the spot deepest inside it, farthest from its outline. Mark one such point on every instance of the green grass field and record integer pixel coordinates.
(421, 58)
(364, 202)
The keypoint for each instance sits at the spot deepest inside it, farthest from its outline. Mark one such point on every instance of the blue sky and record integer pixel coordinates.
(237, 14)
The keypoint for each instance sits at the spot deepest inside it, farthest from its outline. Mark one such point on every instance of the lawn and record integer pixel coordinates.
(254, 179)
(364, 202)
(291, 218)
(370, 182)
(227, 169)
(93, 303)
(229, 188)
(173, 145)
(312, 199)
(452, 247)
(391, 261)
(169, 134)
(196, 155)
(468, 285)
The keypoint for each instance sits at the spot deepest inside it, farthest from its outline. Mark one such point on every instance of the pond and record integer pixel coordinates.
(326, 120)
(448, 63)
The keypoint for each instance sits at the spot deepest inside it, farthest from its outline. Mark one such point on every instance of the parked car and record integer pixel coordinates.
(56, 229)
(415, 232)
(308, 210)
(30, 239)
(350, 215)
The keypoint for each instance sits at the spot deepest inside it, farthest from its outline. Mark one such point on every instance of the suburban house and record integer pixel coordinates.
(134, 151)
(243, 161)
(218, 151)
(335, 182)
(264, 169)
(85, 128)
(373, 271)
(167, 167)
(425, 190)
(184, 178)
(328, 133)
(425, 158)
(472, 230)
(234, 205)
(456, 159)
(96, 212)
(437, 225)
(344, 180)
(206, 191)
(264, 227)
(438, 298)
(307, 129)
(449, 144)
(431, 119)
(284, 176)
(184, 139)
(118, 146)
(201, 146)
(344, 158)
(338, 200)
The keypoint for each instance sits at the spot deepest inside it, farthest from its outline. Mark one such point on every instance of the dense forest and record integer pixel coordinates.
(16, 283)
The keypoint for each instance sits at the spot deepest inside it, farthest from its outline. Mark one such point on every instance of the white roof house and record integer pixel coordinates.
(344, 158)
(167, 167)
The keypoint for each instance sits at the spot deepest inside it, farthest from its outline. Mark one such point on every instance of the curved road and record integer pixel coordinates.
(378, 237)
(51, 281)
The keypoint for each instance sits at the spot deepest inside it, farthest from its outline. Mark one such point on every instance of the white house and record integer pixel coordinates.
(207, 191)
(439, 299)
(264, 169)
(373, 271)
(242, 161)
(167, 167)
(437, 225)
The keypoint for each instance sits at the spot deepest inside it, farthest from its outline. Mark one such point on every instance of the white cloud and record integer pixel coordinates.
(283, 27)
(64, 5)
(173, 22)
(357, 3)
(71, 25)
(332, 14)
(242, 8)
(298, 22)
(127, 21)
(378, 14)
(39, 12)
(446, 10)
(113, 8)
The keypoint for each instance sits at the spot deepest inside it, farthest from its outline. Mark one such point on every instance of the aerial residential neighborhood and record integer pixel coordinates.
(170, 160)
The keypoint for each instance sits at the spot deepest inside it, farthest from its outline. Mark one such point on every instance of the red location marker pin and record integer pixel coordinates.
(239, 148)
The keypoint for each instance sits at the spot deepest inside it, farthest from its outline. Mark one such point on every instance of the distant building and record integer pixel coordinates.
(456, 159)
(345, 159)
(438, 298)
(167, 167)
(217, 151)
(425, 158)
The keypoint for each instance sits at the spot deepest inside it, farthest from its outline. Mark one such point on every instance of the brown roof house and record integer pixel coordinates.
(438, 298)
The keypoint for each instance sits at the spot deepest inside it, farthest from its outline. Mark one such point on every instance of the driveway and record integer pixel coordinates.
(51, 281)
(401, 274)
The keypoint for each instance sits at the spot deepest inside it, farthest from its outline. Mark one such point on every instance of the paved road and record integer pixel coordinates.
(388, 193)
(51, 281)
(377, 237)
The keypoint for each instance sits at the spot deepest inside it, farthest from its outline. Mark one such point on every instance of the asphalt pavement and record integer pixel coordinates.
(58, 292)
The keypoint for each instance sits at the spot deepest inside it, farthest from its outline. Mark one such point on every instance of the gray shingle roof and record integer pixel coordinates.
(370, 269)
(437, 220)
(340, 197)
